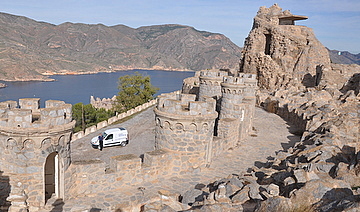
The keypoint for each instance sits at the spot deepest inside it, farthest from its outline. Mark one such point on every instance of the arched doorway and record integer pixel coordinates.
(51, 177)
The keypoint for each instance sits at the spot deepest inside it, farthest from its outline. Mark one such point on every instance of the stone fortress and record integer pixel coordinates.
(189, 133)
(284, 68)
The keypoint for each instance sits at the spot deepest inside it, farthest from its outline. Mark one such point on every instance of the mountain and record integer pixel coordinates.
(31, 50)
(344, 57)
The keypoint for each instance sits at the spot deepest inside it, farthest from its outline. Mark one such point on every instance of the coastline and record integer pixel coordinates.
(48, 74)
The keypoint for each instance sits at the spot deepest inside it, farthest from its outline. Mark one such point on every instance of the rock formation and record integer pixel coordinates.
(284, 55)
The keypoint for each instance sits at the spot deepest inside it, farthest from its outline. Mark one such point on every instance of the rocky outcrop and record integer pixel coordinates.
(284, 55)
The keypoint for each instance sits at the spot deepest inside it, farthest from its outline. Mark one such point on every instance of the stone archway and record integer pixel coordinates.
(51, 176)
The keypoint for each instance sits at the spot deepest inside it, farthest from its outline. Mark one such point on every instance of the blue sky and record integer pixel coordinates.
(335, 23)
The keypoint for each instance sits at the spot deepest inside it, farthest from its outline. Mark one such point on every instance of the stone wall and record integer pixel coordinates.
(111, 120)
(29, 114)
(191, 84)
(91, 177)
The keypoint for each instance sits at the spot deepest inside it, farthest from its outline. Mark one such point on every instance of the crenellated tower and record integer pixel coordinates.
(206, 125)
(238, 104)
(210, 83)
(186, 127)
(35, 150)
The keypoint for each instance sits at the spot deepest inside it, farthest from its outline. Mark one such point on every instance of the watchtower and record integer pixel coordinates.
(186, 126)
(34, 150)
(210, 83)
(238, 102)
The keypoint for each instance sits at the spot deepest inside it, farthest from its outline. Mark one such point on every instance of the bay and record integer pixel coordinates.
(78, 88)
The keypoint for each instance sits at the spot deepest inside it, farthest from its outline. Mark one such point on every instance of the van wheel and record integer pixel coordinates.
(124, 143)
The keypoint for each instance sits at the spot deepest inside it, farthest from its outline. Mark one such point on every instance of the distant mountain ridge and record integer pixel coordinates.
(30, 50)
(344, 57)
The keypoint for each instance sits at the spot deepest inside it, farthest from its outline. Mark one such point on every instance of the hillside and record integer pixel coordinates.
(344, 57)
(31, 50)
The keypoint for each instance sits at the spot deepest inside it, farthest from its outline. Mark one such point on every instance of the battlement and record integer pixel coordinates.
(213, 73)
(185, 104)
(242, 79)
(28, 113)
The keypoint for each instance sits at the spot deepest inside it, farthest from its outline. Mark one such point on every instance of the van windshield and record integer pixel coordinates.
(104, 135)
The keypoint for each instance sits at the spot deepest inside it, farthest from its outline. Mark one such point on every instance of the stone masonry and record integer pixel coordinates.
(186, 126)
(32, 140)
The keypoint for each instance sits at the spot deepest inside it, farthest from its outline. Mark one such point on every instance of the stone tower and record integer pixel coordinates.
(34, 150)
(186, 126)
(210, 83)
(238, 103)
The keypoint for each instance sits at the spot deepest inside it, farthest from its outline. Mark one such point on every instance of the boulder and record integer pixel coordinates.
(192, 196)
(220, 194)
(241, 196)
(220, 207)
(277, 203)
(300, 175)
(315, 190)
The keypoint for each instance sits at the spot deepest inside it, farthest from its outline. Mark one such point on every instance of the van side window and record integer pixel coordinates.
(109, 137)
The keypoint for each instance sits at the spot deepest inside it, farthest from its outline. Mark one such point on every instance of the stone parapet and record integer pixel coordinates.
(213, 74)
(191, 85)
(29, 103)
(29, 115)
(185, 105)
(91, 177)
(243, 80)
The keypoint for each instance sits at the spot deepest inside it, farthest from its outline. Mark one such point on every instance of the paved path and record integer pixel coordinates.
(141, 130)
(272, 134)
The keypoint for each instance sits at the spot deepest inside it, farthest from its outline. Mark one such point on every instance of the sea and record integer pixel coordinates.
(78, 88)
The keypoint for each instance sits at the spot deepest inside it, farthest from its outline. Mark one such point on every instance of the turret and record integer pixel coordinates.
(238, 101)
(34, 150)
(186, 126)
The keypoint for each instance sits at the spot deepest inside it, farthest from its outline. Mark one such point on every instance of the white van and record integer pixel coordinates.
(112, 137)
